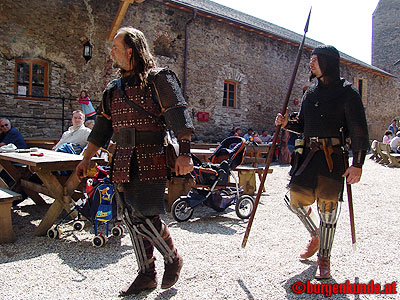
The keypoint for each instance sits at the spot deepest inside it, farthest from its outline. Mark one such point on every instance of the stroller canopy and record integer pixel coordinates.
(231, 149)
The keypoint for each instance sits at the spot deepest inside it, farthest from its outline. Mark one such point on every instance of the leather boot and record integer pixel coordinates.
(311, 248)
(143, 282)
(323, 268)
(171, 272)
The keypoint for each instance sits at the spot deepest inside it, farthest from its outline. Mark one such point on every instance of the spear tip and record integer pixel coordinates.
(308, 21)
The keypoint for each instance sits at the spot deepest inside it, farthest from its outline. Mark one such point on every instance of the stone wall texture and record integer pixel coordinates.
(386, 36)
(55, 30)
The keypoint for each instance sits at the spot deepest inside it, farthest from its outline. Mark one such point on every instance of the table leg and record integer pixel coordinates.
(247, 179)
(49, 219)
(55, 187)
(6, 234)
(18, 174)
(260, 177)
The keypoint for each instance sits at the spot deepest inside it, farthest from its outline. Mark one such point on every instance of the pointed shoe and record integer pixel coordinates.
(143, 282)
(171, 272)
(311, 248)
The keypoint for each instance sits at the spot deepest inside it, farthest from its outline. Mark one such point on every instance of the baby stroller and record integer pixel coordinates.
(211, 180)
(97, 205)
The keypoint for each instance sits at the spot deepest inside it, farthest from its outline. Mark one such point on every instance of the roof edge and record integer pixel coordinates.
(309, 44)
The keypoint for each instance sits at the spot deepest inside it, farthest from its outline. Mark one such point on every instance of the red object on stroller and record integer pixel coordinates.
(212, 178)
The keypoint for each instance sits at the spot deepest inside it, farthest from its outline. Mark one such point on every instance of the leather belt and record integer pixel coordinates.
(316, 144)
(129, 137)
(329, 141)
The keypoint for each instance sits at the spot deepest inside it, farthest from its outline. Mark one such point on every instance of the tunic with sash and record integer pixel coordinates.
(324, 110)
(139, 162)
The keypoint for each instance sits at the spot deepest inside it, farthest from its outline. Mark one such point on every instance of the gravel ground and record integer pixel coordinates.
(215, 265)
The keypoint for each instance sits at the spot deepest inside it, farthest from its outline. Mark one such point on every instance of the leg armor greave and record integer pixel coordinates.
(161, 239)
(327, 228)
(306, 216)
(142, 246)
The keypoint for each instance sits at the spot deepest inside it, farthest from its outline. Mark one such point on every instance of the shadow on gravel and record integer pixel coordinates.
(72, 248)
(165, 295)
(296, 287)
(206, 220)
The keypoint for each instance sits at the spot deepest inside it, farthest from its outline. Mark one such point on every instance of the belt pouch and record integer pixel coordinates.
(296, 155)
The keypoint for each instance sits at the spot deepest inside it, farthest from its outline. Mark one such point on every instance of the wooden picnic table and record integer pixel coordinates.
(21, 165)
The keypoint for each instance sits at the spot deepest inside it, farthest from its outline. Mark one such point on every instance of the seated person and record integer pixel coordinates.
(395, 143)
(249, 134)
(256, 138)
(77, 134)
(10, 135)
(393, 127)
(238, 132)
(387, 137)
(265, 137)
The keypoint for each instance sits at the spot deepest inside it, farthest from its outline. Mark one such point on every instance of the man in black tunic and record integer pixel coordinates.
(135, 111)
(331, 111)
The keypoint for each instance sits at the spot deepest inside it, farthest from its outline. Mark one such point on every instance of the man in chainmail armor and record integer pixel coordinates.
(331, 112)
(135, 112)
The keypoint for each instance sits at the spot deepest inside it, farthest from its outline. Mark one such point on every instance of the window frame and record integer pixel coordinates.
(234, 84)
(363, 92)
(32, 62)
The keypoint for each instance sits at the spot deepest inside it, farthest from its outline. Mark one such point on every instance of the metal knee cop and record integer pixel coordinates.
(306, 216)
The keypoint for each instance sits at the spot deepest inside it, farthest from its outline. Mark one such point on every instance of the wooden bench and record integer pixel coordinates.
(374, 153)
(44, 143)
(6, 199)
(247, 178)
(383, 158)
(393, 159)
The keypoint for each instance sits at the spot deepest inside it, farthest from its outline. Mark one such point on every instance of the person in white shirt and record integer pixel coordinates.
(77, 133)
(395, 143)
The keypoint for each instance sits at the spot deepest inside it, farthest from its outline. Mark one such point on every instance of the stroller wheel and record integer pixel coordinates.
(244, 206)
(53, 233)
(78, 225)
(99, 241)
(117, 231)
(181, 211)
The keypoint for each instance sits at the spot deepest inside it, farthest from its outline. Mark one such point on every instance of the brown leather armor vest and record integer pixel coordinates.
(149, 155)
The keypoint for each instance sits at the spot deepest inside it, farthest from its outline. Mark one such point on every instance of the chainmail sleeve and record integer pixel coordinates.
(356, 121)
(173, 106)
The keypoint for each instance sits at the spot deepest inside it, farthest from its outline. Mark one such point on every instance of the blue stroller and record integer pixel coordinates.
(211, 180)
(98, 206)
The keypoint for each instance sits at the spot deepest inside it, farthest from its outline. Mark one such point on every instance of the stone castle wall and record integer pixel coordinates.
(55, 31)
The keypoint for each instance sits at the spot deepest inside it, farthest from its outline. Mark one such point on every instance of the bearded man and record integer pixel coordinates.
(136, 110)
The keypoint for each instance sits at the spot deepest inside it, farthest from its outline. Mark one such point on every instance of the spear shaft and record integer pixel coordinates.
(275, 138)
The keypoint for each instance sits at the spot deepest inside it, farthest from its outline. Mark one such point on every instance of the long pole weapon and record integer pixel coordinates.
(275, 138)
(349, 192)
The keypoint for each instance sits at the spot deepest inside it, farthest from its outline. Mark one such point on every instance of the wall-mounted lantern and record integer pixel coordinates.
(87, 51)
